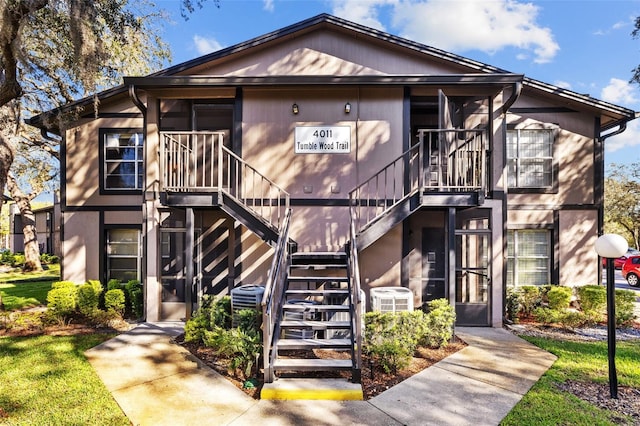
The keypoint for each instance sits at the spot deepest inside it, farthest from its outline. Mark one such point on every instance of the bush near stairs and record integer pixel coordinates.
(391, 338)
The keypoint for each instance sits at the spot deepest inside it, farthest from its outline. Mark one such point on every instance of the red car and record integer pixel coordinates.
(631, 270)
(617, 263)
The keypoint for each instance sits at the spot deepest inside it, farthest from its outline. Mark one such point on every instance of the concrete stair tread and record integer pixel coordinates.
(313, 308)
(314, 325)
(312, 364)
(313, 343)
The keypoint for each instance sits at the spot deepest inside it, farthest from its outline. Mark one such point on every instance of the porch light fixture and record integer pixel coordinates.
(347, 108)
(611, 246)
(294, 109)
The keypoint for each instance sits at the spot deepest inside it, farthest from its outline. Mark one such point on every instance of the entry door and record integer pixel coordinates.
(473, 280)
(173, 274)
(433, 264)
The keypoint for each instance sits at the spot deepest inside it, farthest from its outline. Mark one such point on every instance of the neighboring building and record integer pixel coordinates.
(47, 228)
(463, 178)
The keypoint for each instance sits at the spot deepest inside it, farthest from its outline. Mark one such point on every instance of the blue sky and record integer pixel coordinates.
(585, 46)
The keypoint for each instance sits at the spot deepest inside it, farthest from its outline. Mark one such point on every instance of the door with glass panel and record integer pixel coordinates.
(473, 278)
(174, 274)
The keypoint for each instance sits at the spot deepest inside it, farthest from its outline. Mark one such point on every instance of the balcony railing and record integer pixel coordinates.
(199, 162)
(442, 161)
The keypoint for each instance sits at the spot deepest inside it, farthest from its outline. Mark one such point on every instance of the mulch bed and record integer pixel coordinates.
(374, 379)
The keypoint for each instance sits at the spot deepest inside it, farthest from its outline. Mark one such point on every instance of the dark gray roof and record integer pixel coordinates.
(476, 68)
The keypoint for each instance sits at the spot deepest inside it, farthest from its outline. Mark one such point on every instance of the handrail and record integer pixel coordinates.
(356, 301)
(198, 161)
(438, 162)
(272, 297)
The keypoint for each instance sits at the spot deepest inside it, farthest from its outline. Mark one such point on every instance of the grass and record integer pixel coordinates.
(27, 289)
(47, 380)
(544, 404)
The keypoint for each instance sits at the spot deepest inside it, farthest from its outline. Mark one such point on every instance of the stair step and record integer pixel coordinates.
(304, 364)
(330, 292)
(314, 308)
(317, 266)
(318, 258)
(286, 344)
(315, 325)
(317, 279)
(312, 389)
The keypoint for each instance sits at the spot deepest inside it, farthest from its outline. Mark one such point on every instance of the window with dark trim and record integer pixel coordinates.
(122, 165)
(528, 257)
(530, 158)
(124, 259)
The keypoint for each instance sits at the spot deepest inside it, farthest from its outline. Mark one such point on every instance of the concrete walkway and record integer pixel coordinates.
(157, 382)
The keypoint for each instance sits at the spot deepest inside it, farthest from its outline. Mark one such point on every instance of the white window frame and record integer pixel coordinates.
(516, 256)
(524, 159)
(113, 253)
(114, 140)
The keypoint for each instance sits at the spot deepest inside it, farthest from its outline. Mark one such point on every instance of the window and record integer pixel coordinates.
(530, 158)
(123, 165)
(528, 257)
(123, 254)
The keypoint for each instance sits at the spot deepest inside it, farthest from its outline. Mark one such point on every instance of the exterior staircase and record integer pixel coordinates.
(316, 315)
(316, 336)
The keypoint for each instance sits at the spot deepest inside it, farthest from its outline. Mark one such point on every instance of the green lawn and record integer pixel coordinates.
(47, 380)
(544, 404)
(23, 290)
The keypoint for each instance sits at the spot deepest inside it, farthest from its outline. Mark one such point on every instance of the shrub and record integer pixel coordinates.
(18, 260)
(48, 259)
(564, 317)
(389, 340)
(438, 329)
(61, 299)
(512, 304)
(213, 312)
(87, 299)
(625, 302)
(114, 283)
(220, 312)
(559, 297)
(530, 299)
(114, 301)
(593, 301)
(242, 346)
(6, 258)
(97, 286)
(135, 299)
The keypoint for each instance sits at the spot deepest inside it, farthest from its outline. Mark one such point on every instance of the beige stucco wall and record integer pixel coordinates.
(268, 144)
(327, 53)
(578, 259)
(380, 263)
(82, 176)
(80, 248)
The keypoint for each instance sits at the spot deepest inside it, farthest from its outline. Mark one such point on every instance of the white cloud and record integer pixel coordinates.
(461, 25)
(619, 92)
(206, 45)
(268, 5)
(630, 138)
(562, 84)
(362, 12)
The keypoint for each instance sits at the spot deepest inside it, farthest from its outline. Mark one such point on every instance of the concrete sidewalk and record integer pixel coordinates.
(158, 382)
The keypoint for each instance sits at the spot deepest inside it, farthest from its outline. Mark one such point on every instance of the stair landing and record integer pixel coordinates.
(312, 389)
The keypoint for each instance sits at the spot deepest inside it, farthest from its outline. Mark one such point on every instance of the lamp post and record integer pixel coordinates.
(611, 246)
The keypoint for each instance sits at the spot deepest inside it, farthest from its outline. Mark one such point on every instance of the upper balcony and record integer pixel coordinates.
(198, 170)
(446, 168)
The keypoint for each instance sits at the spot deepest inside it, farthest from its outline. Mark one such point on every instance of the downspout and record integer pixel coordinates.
(143, 266)
(515, 94)
(600, 202)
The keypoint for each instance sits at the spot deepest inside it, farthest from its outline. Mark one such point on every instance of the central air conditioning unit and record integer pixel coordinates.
(391, 299)
(248, 296)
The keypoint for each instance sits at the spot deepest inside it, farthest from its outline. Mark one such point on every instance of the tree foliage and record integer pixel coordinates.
(53, 52)
(622, 202)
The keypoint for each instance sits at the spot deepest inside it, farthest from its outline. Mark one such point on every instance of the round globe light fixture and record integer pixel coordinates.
(611, 246)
